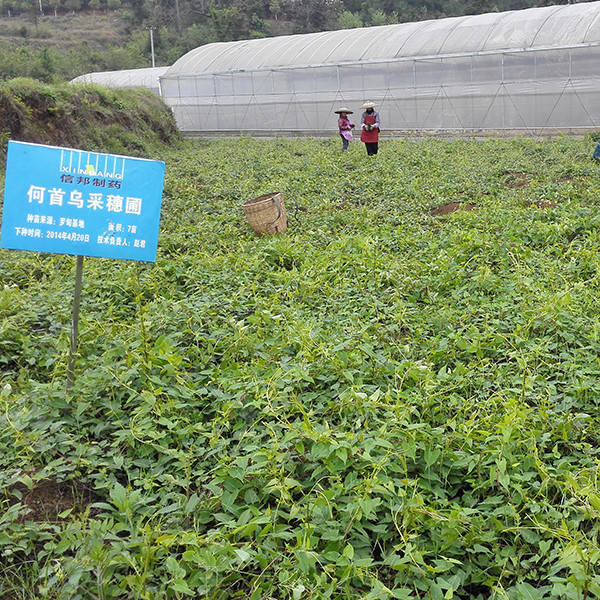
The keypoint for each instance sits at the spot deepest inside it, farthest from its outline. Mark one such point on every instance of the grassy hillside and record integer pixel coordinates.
(68, 45)
(65, 30)
(133, 122)
(390, 400)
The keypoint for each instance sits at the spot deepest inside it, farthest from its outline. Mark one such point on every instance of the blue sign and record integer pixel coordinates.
(69, 201)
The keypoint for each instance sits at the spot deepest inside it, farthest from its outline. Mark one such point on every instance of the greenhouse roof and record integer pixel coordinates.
(551, 26)
(147, 78)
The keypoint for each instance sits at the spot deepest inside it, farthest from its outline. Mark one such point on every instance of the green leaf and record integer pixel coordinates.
(118, 496)
(182, 588)
(242, 554)
(348, 552)
(431, 456)
(191, 503)
(174, 568)
(435, 591)
(527, 592)
(306, 560)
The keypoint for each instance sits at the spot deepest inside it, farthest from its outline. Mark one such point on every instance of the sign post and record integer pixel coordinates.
(69, 201)
(75, 320)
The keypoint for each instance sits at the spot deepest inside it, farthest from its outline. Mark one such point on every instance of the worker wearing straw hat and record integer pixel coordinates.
(344, 126)
(370, 128)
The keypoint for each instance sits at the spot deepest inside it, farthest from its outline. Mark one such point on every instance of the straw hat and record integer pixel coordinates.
(369, 105)
(343, 110)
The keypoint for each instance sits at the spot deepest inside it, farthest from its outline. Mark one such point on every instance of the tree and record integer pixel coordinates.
(54, 4)
(274, 8)
(349, 20)
(11, 6)
(378, 17)
(316, 15)
(477, 7)
(34, 13)
(177, 15)
(46, 66)
(73, 5)
(229, 23)
(140, 10)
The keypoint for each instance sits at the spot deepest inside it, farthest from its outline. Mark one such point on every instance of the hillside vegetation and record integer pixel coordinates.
(71, 37)
(397, 398)
(133, 122)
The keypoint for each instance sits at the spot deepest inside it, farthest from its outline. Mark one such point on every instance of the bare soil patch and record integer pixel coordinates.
(48, 498)
(543, 204)
(516, 179)
(572, 179)
(346, 204)
(446, 209)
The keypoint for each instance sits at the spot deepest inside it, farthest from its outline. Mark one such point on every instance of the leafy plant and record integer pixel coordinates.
(379, 403)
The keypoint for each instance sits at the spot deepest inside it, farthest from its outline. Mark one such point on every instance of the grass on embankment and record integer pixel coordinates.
(132, 122)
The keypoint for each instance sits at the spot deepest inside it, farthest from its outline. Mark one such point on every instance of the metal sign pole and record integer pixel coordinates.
(75, 321)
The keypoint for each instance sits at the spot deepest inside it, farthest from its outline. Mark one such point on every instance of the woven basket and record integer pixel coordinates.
(266, 214)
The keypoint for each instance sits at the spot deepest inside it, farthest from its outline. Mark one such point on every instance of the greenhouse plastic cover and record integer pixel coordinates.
(552, 26)
(534, 69)
(146, 78)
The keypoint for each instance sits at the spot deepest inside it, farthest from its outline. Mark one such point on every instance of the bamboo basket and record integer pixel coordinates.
(266, 214)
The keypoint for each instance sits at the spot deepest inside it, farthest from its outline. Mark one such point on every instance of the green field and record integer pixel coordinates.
(380, 403)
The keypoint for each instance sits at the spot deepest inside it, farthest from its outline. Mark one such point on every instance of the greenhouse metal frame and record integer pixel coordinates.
(535, 70)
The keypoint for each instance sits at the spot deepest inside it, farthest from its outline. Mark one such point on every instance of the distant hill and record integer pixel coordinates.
(61, 47)
(69, 37)
(96, 29)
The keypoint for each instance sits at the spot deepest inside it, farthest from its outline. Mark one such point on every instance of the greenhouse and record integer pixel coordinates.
(535, 70)
(147, 78)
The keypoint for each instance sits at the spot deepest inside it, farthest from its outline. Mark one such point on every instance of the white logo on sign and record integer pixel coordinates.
(77, 162)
